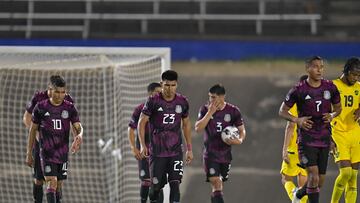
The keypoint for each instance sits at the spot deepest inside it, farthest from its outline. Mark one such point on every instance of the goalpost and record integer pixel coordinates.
(106, 84)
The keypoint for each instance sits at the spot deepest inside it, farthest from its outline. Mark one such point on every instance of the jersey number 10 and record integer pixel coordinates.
(56, 123)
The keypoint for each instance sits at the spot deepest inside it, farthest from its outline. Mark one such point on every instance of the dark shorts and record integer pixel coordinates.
(53, 169)
(314, 156)
(38, 173)
(162, 166)
(144, 172)
(215, 169)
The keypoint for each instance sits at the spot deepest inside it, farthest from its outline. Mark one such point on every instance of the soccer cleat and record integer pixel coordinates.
(295, 198)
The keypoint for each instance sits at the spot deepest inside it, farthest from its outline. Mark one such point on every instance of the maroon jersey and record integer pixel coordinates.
(40, 96)
(165, 120)
(54, 129)
(134, 122)
(215, 148)
(314, 102)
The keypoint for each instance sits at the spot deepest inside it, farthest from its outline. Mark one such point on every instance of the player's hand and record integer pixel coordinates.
(327, 117)
(75, 146)
(136, 153)
(333, 148)
(189, 157)
(305, 122)
(144, 152)
(214, 106)
(285, 157)
(233, 141)
(357, 115)
(29, 160)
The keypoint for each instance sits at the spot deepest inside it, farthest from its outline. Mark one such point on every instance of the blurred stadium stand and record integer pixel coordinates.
(171, 18)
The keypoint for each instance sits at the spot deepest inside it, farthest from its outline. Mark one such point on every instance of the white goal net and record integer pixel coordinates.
(106, 84)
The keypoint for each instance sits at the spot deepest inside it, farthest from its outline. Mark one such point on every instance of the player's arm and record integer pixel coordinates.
(78, 136)
(187, 134)
(141, 133)
(131, 137)
(201, 124)
(31, 139)
(27, 119)
(302, 122)
(289, 132)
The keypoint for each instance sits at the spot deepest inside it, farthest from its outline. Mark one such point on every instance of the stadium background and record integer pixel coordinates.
(257, 68)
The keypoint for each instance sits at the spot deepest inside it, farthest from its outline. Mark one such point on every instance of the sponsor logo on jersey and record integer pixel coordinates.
(356, 92)
(227, 118)
(47, 114)
(307, 97)
(64, 114)
(178, 109)
(160, 109)
(327, 95)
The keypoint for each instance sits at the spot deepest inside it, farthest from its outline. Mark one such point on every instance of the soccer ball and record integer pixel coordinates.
(230, 132)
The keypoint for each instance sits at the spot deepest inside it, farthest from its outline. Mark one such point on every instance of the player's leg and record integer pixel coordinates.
(301, 180)
(351, 187)
(61, 177)
(50, 174)
(312, 159)
(213, 175)
(175, 172)
(158, 166)
(342, 158)
(288, 171)
(144, 176)
(38, 175)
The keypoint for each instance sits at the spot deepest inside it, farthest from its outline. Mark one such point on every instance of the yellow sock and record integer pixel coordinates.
(304, 199)
(289, 187)
(351, 188)
(340, 183)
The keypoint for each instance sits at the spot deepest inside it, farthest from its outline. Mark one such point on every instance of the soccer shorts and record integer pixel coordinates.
(348, 145)
(292, 168)
(215, 169)
(53, 169)
(144, 172)
(314, 156)
(162, 166)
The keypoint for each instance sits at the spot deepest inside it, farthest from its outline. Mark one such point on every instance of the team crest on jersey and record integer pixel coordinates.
(64, 114)
(227, 118)
(327, 95)
(178, 109)
(356, 92)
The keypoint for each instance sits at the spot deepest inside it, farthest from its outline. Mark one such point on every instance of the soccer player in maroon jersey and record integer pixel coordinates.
(318, 102)
(213, 118)
(38, 174)
(144, 174)
(52, 118)
(166, 112)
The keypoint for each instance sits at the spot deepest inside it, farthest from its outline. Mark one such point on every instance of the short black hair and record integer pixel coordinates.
(351, 64)
(152, 86)
(169, 75)
(311, 59)
(217, 89)
(303, 77)
(57, 81)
